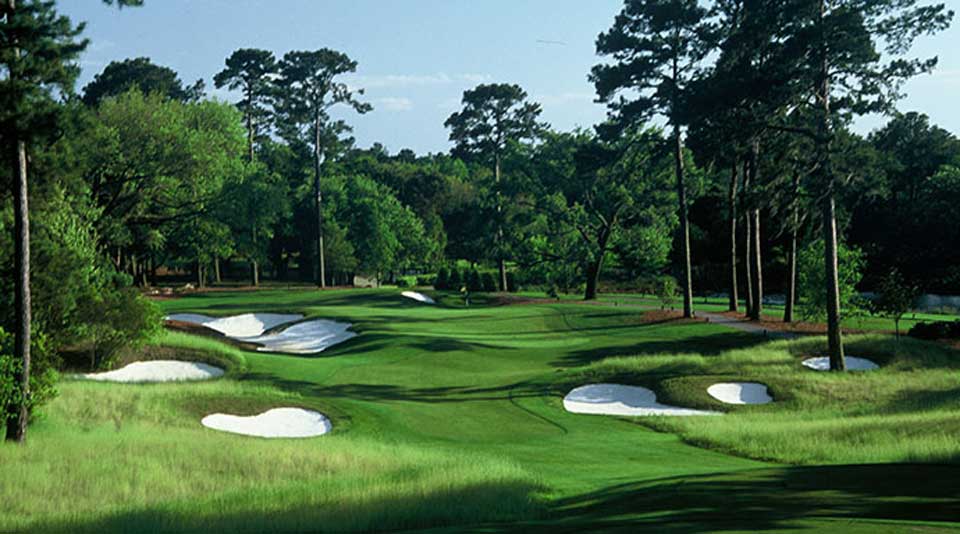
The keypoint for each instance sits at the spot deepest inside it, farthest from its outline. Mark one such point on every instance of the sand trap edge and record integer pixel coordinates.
(822, 364)
(740, 393)
(275, 423)
(623, 400)
(157, 372)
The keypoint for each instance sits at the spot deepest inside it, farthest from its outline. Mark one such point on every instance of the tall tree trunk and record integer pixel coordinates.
(501, 262)
(217, 275)
(17, 423)
(254, 265)
(596, 267)
(687, 281)
(144, 279)
(318, 197)
(756, 308)
(748, 235)
(791, 300)
(732, 213)
(788, 309)
(834, 334)
(250, 136)
(153, 271)
(254, 268)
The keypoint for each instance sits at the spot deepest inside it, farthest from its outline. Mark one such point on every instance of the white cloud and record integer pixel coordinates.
(393, 103)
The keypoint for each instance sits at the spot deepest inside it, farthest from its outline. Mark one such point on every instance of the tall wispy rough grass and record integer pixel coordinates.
(129, 458)
(908, 411)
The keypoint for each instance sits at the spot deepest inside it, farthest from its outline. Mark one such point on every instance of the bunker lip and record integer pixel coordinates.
(307, 337)
(822, 363)
(419, 297)
(158, 371)
(268, 332)
(274, 423)
(237, 326)
(617, 399)
(740, 393)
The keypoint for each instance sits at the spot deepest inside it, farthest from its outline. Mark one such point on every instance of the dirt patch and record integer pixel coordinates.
(667, 316)
(797, 327)
(172, 293)
(502, 299)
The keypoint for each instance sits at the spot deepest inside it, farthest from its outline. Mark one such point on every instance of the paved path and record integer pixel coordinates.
(744, 326)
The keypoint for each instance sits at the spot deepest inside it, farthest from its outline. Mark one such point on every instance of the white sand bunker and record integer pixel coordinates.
(614, 399)
(740, 393)
(238, 326)
(275, 423)
(158, 371)
(853, 364)
(419, 297)
(308, 337)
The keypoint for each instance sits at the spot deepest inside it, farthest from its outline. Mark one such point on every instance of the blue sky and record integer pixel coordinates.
(416, 57)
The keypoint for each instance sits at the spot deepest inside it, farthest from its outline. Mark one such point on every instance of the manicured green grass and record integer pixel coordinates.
(445, 417)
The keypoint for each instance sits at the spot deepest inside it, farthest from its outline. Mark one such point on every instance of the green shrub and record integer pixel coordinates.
(406, 281)
(665, 288)
(426, 280)
(474, 283)
(124, 319)
(811, 280)
(443, 279)
(489, 282)
(455, 282)
(936, 330)
(43, 376)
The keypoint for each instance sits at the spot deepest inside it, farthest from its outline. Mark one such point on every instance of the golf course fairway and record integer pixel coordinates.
(450, 419)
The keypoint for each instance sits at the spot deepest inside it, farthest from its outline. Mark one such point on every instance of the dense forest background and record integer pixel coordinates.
(753, 180)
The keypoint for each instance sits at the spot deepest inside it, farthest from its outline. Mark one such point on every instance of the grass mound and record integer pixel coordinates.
(908, 411)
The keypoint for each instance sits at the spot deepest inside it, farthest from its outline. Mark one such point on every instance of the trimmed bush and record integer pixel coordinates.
(426, 280)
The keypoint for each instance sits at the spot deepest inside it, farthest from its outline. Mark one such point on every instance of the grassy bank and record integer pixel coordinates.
(908, 411)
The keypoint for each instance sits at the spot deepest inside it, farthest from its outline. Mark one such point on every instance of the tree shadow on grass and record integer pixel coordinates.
(383, 508)
(758, 500)
(394, 393)
(919, 400)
